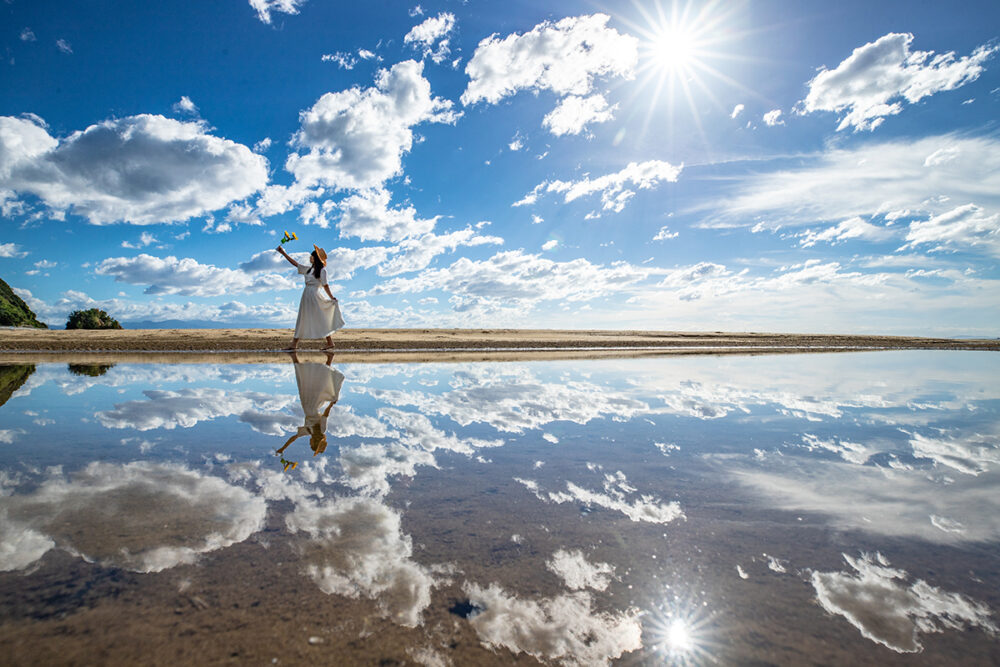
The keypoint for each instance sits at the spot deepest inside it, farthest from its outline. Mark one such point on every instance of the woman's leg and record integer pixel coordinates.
(329, 342)
(294, 345)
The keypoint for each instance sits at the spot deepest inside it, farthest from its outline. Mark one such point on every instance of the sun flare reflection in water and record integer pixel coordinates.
(678, 637)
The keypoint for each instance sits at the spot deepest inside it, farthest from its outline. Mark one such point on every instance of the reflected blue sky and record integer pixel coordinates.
(579, 512)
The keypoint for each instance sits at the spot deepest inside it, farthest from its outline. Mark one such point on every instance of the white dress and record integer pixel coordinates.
(318, 317)
(318, 385)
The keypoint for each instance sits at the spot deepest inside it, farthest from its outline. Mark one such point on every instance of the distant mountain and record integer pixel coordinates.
(14, 312)
(202, 324)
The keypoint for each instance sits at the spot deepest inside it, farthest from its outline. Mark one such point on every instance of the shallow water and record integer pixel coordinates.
(772, 509)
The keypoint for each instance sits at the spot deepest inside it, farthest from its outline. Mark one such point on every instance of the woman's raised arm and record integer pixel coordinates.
(287, 256)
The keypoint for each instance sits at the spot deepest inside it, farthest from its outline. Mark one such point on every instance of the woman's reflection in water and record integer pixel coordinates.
(319, 389)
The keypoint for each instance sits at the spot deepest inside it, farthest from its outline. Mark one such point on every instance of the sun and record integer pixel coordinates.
(673, 49)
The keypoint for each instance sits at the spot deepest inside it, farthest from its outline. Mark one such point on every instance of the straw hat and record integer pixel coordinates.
(321, 254)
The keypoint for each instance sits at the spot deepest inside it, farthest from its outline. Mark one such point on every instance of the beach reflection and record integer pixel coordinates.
(668, 510)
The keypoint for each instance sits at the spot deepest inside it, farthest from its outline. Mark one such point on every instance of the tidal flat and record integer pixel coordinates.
(785, 509)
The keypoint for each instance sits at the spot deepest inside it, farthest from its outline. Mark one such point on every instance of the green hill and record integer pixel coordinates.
(14, 312)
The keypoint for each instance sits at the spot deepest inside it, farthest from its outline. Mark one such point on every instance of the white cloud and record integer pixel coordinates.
(574, 113)
(343, 59)
(64, 46)
(356, 547)
(144, 517)
(185, 105)
(872, 82)
(515, 278)
(877, 601)
(665, 234)
(773, 117)
(645, 507)
(12, 250)
(433, 30)
(564, 57)
(368, 216)
(265, 7)
(513, 400)
(416, 11)
(143, 169)
(356, 138)
(145, 239)
(579, 573)
(918, 177)
(416, 253)
(565, 628)
(549, 245)
(185, 408)
(852, 228)
(170, 275)
(961, 228)
(341, 263)
(27, 35)
(737, 110)
(262, 145)
(615, 188)
(969, 453)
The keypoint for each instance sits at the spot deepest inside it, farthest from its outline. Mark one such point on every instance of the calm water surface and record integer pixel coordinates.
(838, 509)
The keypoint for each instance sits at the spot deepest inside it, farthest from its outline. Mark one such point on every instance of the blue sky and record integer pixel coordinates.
(764, 166)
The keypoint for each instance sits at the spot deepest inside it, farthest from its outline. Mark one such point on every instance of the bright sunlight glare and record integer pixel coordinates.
(673, 49)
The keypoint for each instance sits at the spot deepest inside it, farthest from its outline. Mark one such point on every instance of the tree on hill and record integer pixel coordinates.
(92, 318)
(14, 312)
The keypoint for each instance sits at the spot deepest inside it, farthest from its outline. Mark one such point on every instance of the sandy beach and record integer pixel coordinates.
(248, 345)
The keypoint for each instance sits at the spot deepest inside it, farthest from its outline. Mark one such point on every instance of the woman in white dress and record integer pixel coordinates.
(319, 314)
(319, 390)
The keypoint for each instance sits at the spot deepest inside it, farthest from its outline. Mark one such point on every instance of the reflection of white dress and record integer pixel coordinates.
(318, 315)
(318, 385)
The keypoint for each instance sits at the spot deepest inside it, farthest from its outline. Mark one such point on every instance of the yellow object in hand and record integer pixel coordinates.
(288, 237)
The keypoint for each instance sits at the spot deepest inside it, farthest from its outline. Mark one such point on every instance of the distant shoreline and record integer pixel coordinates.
(421, 342)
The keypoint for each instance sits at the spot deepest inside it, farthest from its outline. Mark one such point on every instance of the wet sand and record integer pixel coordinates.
(248, 345)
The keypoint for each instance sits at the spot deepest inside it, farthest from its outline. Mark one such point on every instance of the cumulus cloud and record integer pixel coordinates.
(356, 138)
(962, 228)
(574, 113)
(513, 400)
(368, 216)
(144, 169)
(893, 179)
(185, 408)
(417, 253)
(968, 453)
(565, 628)
(665, 234)
(12, 250)
(185, 105)
(873, 81)
(578, 573)
(64, 46)
(27, 35)
(616, 189)
(356, 547)
(145, 239)
(144, 517)
(565, 57)
(737, 110)
(170, 275)
(773, 117)
(516, 278)
(852, 228)
(158, 311)
(433, 30)
(878, 601)
(265, 7)
(617, 490)
(341, 263)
